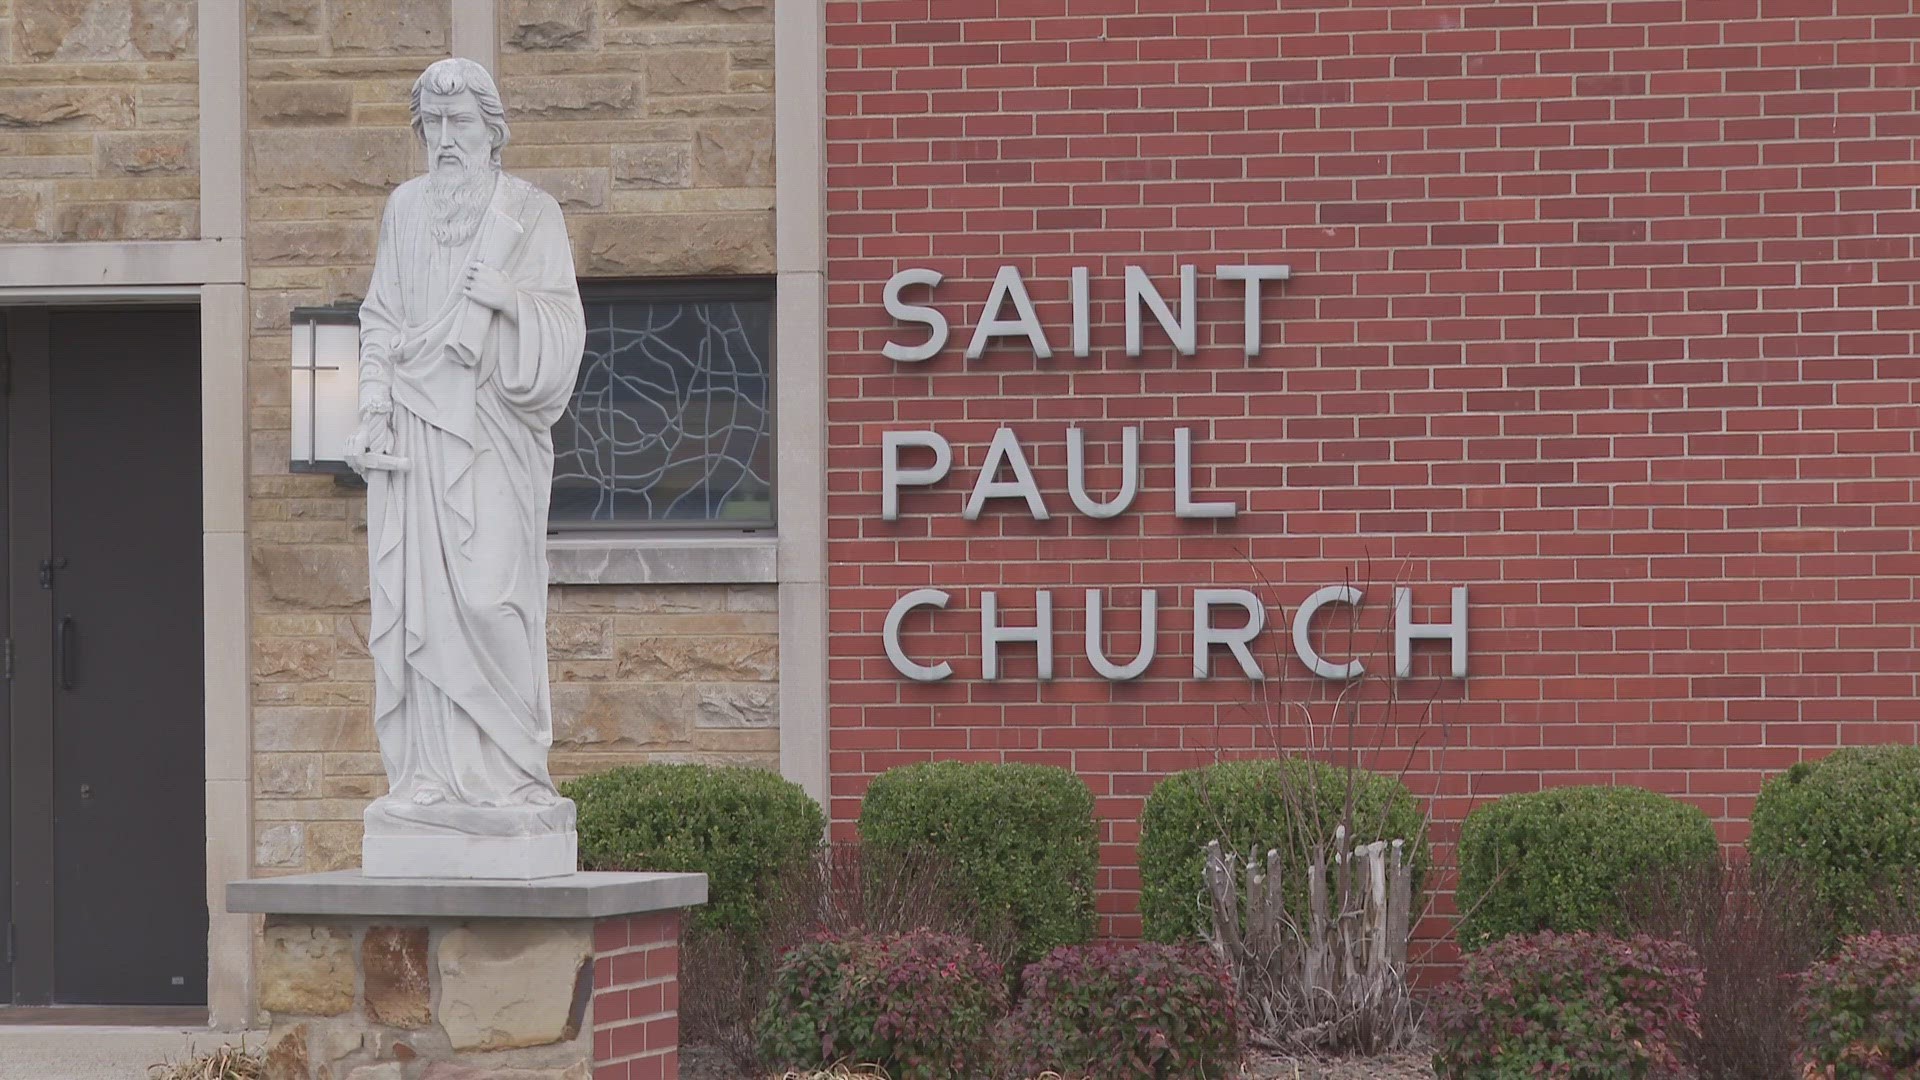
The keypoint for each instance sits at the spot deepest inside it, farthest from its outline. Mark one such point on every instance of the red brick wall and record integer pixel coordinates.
(1603, 309)
(636, 997)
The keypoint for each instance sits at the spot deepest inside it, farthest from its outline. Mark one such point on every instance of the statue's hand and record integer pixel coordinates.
(373, 436)
(491, 288)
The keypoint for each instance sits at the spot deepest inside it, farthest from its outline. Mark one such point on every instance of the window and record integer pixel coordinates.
(671, 423)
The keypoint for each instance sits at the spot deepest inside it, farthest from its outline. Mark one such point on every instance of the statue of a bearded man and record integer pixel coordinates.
(470, 340)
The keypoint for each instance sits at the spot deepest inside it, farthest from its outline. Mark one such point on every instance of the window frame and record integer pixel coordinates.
(761, 287)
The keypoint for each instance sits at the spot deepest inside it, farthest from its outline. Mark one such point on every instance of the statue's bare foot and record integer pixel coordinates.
(428, 795)
(543, 798)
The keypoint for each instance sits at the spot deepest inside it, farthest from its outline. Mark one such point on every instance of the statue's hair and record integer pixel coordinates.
(451, 76)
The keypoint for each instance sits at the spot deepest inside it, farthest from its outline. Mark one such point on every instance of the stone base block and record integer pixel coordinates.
(572, 978)
(500, 858)
(451, 840)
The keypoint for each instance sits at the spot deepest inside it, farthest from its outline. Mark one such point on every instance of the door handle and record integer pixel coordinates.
(63, 644)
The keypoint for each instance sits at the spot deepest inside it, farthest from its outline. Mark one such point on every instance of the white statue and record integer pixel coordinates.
(470, 340)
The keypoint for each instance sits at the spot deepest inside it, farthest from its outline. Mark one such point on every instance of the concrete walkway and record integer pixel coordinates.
(60, 1052)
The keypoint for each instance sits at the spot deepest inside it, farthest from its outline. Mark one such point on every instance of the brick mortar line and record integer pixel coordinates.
(629, 1021)
(623, 987)
(636, 1057)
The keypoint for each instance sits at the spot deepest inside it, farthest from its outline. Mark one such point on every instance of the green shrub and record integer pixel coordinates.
(1852, 822)
(1557, 859)
(743, 828)
(1018, 839)
(1859, 1013)
(1570, 1006)
(1245, 805)
(1144, 1009)
(921, 1005)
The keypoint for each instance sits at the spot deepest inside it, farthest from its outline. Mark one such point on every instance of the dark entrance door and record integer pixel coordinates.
(106, 827)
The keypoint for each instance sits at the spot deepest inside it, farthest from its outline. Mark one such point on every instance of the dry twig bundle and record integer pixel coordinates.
(1334, 975)
(226, 1063)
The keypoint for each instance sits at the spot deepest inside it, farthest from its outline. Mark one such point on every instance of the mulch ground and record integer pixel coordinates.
(700, 1063)
(1415, 1064)
(704, 1063)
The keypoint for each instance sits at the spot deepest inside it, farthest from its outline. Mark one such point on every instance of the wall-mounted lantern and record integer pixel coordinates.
(326, 385)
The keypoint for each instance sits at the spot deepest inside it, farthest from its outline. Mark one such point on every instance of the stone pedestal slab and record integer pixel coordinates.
(511, 858)
(448, 840)
(563, 978)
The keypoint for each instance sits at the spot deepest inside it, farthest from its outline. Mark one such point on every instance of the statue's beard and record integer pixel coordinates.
(459, 195)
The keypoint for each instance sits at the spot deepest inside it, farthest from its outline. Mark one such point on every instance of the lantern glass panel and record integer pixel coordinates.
(326, 390)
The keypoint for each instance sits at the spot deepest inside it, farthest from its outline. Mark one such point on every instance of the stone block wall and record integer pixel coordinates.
(99, 114)
(651, 122)
(414, 999)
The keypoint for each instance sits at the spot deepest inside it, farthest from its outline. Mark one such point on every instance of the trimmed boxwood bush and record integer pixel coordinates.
(1142, 1009)
(1243, 805)
(1851, 822)
(1574, 1006)
(1859, 1013)
(920, 1004)
(1557, 859)
(744, 828)
(1018, 839)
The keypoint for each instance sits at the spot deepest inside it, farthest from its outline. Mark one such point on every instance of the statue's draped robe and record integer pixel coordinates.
(457, 541)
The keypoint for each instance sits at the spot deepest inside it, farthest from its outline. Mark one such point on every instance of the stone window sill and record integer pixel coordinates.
(670, 559)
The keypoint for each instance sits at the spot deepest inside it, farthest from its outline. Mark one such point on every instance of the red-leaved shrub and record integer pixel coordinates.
(847, 889)
(1126, 1010)
(1859, 1012)
(1570, 1006)
(920, 1004)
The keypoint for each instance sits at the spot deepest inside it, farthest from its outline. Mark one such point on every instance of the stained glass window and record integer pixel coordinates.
(671, 422)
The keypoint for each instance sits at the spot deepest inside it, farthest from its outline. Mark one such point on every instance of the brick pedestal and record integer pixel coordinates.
(381, 979)
(636, 998)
